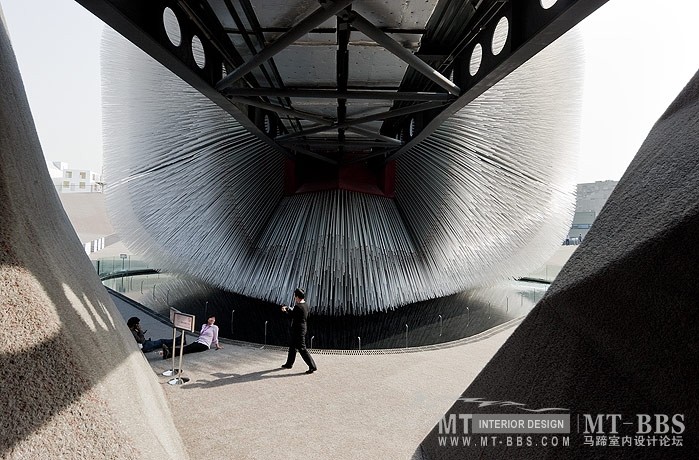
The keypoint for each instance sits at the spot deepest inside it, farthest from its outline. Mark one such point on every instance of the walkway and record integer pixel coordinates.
(239, 404)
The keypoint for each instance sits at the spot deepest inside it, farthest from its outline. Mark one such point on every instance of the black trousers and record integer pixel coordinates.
(195, 347)
(298, 342)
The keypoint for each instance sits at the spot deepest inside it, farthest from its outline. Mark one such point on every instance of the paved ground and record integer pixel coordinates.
(240, 404)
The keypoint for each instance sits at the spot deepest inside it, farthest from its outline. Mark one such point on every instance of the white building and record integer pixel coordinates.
(69, 180)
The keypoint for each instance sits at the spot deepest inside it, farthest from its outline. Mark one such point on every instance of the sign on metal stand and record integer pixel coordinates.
(183, 322)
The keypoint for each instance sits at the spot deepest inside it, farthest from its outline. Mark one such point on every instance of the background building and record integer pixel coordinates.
(590, 199)
(69, 180)
(80, 192)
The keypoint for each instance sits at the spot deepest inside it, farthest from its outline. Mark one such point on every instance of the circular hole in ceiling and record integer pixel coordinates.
(172, 26)
(500, 35)
(476, 57)
(546, 4)
(198, 52)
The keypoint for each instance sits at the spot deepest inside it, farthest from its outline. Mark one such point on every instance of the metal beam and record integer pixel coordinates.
(315, 86)
(399, 112)
(255, 24)
(250, 44)
(373, 135)
(250, 15)
(373, 32)
(332, 94)
(407, 110)
(282, 110)
(531, 31)
(307, 132)
(320, 129)
(326, 30)
(329, 142)
(137, 21)
(312, 154)
(342, 75)
(328, 9)
(369, 156)
(311, 117)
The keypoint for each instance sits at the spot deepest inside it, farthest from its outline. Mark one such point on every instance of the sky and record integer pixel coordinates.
(638, 55)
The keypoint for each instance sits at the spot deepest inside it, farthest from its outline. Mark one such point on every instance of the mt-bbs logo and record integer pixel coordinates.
(644, 423)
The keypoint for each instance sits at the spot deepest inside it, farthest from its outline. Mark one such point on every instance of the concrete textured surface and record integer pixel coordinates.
(72, 384)
(618, 331)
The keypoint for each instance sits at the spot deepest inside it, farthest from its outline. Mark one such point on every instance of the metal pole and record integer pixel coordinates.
(174, 337)
(360, 342)
(265, 332)
(310, 22)
(335, 94)
(232, 312)
(440, 325)
(312, 337)
(141, 286)
(179, 368)
(507, 304)
(406, 336)
(376, 34)
(179, 379)
(170, 372)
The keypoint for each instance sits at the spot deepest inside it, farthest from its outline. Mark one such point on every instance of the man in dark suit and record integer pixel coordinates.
(299, 314)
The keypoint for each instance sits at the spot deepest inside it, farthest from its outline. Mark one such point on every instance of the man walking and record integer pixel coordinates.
(299, 315)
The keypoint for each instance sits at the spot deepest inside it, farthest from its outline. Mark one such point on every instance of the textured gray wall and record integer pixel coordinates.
(73, 384)
(618, 330)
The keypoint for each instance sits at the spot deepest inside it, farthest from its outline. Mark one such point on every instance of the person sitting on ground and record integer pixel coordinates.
(207, 337)
(146, 345)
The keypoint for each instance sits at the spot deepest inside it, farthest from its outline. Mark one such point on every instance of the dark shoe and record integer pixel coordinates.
(166, 352)
(310, 371)
(286, 366)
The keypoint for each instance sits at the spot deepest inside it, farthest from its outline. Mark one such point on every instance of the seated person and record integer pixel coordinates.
(146, 345)
(207, 337)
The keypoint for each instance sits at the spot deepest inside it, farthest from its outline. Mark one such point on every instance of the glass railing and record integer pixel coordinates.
(545, 274)
(251, 320)
(115, 265)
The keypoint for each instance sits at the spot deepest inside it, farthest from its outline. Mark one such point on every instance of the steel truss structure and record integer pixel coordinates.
(431, 45)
